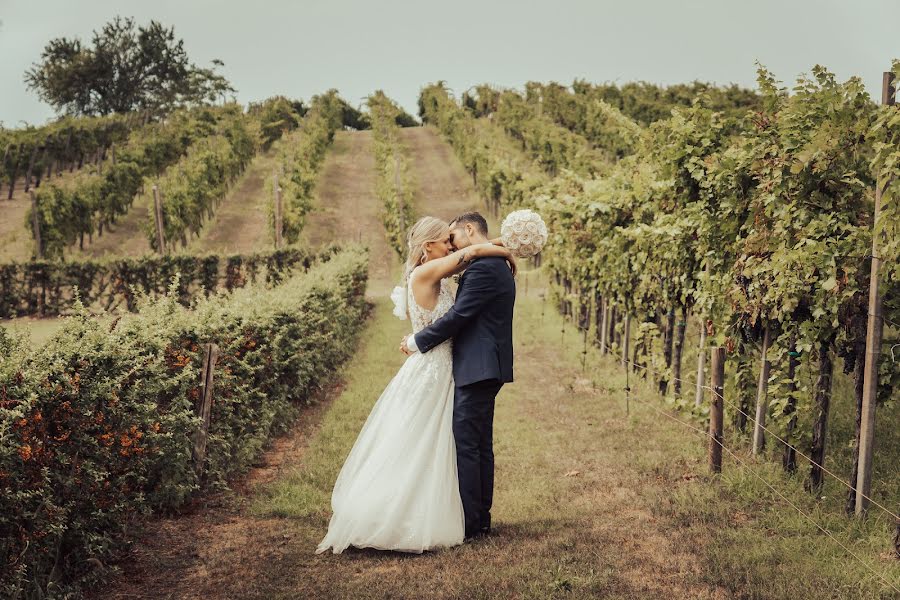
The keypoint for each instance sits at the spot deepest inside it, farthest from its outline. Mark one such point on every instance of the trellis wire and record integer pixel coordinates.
(782, 440)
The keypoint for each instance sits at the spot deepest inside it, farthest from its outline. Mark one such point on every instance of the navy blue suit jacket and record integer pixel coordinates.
(480, 324)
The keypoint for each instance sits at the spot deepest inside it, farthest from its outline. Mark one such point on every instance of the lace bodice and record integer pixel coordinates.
(422, 318)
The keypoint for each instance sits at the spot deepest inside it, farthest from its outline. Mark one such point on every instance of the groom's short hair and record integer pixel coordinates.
(475, 219)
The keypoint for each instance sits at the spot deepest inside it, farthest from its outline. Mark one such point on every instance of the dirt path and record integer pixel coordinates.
(445, 189)
(125, 238)
(15, 233)
(240, 224)
(15, 237)
(347, 209)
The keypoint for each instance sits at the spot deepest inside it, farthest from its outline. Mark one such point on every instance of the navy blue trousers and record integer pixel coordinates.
(473, 431)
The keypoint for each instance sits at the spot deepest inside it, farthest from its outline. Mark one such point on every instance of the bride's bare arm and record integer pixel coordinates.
(435, 270)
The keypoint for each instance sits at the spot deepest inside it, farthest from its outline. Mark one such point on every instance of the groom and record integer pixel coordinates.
(480, 324)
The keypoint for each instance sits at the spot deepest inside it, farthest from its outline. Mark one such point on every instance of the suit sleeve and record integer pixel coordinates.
(479, 288)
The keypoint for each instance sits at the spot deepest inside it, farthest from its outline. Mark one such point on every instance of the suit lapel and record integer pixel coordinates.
(462, 277)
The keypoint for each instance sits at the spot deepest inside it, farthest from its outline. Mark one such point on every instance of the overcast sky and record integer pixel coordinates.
(300, 47)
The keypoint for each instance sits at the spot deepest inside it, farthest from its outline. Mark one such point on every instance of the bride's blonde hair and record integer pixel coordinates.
(426, 229)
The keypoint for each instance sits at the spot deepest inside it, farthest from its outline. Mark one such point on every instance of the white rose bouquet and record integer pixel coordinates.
(524, 233)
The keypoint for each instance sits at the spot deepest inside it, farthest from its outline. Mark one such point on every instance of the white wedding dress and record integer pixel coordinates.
(398, 489)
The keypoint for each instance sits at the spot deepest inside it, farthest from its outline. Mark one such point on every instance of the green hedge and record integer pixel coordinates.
(48, 288)
(96, 425)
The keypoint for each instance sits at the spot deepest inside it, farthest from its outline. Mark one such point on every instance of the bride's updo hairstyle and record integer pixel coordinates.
(426, 229)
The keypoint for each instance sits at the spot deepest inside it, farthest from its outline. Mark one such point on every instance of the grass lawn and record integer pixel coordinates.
(37, 330)
(589, 501)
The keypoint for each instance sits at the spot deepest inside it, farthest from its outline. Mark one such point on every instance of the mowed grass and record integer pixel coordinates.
(757, 529)
(38, 331)
(840, 455)
(568, 520)
(752, 540)
(590, 502)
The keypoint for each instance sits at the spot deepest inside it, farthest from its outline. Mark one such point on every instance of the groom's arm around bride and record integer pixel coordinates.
(479, 324)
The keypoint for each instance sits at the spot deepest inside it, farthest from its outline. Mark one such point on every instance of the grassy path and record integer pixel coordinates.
(240, 224)
(571, 513)
(348, 210)
(125, 238)
(15, 234)
(569, 509)
(15, 237)
(444, 188)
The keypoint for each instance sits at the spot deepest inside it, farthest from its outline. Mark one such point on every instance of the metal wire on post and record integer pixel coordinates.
(772, 488)
(584, 349)
(627, 391)
(800, 453)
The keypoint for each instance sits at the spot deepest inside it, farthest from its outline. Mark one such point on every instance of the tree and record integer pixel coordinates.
(126, 68)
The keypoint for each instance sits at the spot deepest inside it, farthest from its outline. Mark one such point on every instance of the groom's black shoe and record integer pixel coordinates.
(474, 537)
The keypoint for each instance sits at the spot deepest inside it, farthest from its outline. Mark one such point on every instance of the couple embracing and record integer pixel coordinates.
(421, 473)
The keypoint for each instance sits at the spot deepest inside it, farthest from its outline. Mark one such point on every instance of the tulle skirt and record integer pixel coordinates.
(398, 489)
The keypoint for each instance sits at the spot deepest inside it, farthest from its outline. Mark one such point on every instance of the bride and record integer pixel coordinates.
(398, 489)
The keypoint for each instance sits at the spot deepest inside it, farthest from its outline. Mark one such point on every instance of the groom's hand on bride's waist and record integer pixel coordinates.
(408, 345)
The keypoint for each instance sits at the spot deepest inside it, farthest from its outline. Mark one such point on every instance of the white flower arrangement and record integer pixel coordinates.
(524, 233)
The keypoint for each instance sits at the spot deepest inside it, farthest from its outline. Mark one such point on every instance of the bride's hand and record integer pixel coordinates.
(404, 348)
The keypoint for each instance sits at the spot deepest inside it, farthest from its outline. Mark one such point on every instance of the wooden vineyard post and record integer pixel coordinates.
(897, 540)
(584, 323)
(611, 326)
(626, 340)
(204, 407)
(678, 350)
(762, 388)
(36, 225)
(15, 172)
(28, 173)
(716, 418)
(701, 365)
(59, 163)
(3, 162)
(604, 316)
(157, 211)
(874, 330)
(398, 191)
(39, 172)
(279, 227)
